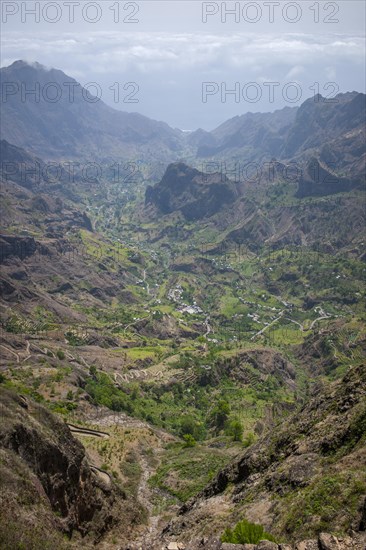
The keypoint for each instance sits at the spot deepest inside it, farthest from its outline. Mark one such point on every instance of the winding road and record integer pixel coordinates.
(87, 431)
(102, 474)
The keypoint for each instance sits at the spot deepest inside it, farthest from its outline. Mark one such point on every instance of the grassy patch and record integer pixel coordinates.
(186, 470)
(329, 500)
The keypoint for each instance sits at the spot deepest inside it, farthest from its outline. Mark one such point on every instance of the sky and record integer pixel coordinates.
(190, 63)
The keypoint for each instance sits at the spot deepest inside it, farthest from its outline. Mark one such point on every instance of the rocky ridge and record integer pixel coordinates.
(39, 448)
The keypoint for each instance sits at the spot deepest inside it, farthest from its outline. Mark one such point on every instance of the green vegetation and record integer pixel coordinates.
(321, 503)
(23, 535)
(245, 532)
(131, 471)
(235, 430)
(201, 410)
(189, 440)
(185, 470)
(213, 330)
(220, 415)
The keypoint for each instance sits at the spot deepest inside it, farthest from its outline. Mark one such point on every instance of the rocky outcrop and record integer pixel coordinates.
(324, 541)
(55, 461)
(195, 194)
(20, 247)
(318, 180)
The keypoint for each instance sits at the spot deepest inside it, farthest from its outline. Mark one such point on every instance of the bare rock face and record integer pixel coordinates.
(56, 463)
(195, 194)
(20, 247)
(307, 545)
(327, 542)
(318, 180)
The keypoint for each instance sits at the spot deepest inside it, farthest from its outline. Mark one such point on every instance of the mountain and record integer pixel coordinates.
(183, 349)
(332, 130)
(298, 480)
(195, 194)
(316, 151)
(273, 212)
(62, 120)
(254, 135)
(34, 174)
(318, 179)
(319, 122)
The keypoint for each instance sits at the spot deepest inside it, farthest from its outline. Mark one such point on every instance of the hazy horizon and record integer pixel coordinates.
(193, 64)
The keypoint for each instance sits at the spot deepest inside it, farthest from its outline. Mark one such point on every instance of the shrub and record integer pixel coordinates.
(249, 440)
(93, 371)
(245, 532)
(60, 354)
(189, 440)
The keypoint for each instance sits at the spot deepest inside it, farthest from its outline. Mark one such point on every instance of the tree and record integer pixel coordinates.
(235, 429)
(187, 425)
(220, 414)
(70, 395)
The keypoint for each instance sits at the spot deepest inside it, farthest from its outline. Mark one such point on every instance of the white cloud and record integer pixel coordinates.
(152, 52)
(294, 72)
(157, 60)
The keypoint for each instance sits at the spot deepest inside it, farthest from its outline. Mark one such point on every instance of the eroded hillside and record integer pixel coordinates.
(201, 335)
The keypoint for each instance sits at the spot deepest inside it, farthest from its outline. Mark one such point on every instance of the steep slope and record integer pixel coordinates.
(254, 134)
(50, 256)
(195, 194)
(320, 120)
(331, 130)
(299, 480)
(63, 120)
(47, 484)
(320, 209)
(103, 311)
(323, 150)
(318, 180)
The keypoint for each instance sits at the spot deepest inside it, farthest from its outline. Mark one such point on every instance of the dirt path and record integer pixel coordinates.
(151, 536)
(102, 474)
(146, 495)
(326, 316)
(268, 326)
(208, 327)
